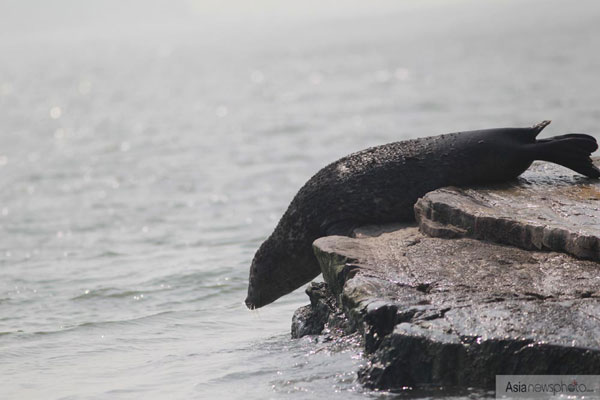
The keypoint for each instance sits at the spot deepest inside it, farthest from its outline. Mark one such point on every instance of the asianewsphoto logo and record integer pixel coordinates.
(561, 387)
(544, 386)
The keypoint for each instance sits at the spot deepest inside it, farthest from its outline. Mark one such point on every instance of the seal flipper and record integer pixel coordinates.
(342, 227)
(572, 151)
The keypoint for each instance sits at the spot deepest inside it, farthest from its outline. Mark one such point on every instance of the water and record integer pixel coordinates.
(143, 159)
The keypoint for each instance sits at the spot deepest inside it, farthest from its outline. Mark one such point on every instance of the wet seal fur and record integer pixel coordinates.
(381, 185)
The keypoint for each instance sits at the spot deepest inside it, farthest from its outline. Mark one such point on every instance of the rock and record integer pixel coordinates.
(456, 313)
(311, 319)
(321, 313)
(548, 208)
(306, 321)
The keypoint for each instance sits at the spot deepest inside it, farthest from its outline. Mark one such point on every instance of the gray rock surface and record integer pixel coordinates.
(548, 208)
(456, 313)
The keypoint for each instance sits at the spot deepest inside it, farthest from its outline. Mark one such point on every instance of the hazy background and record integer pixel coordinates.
(148, 148)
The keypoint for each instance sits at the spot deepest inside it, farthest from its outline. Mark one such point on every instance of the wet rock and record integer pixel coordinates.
(306, 321)
(458, 312)
(311, 319)
(322, 312)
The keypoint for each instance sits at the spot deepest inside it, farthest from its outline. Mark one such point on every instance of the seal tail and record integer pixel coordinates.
(572, 151)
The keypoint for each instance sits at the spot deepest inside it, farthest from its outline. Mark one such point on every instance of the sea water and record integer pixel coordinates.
(145, 153)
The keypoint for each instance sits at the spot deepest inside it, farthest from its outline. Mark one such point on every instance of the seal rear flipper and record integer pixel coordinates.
(583, 142)
(572, 151)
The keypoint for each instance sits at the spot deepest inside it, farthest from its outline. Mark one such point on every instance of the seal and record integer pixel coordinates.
(381, 185)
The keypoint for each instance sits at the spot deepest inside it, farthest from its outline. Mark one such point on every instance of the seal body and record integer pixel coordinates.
(382, 184)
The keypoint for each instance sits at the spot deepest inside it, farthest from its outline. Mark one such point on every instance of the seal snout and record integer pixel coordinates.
(250, 304)
(253, 298)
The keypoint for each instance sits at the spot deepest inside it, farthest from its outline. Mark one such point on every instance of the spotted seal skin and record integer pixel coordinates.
(382, 184)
